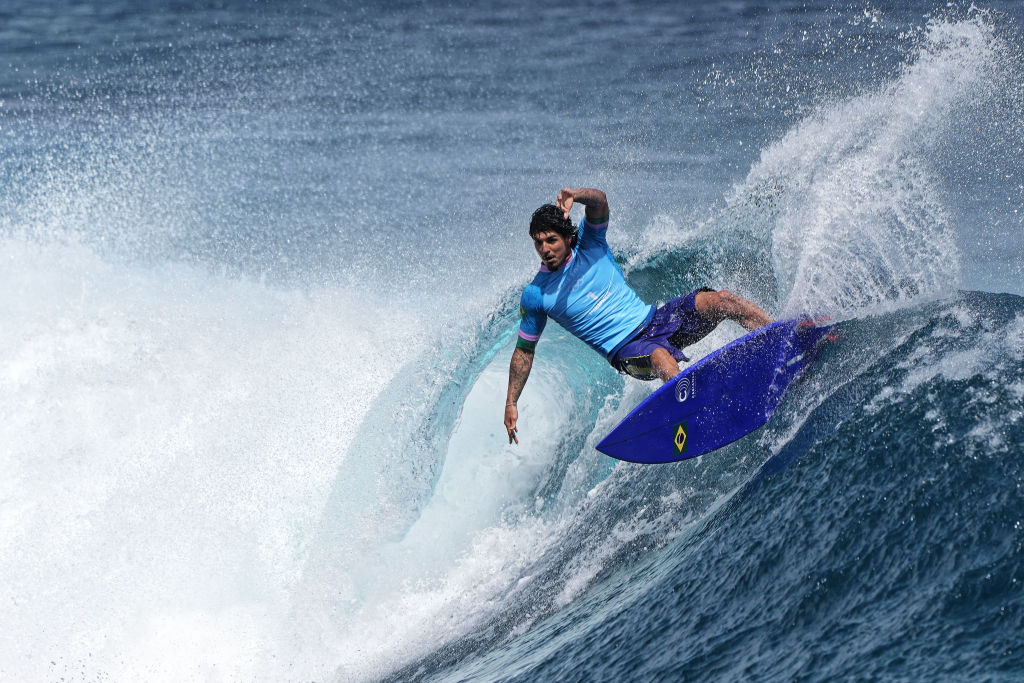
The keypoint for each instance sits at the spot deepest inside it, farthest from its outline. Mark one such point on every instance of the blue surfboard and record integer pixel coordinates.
(719, 399)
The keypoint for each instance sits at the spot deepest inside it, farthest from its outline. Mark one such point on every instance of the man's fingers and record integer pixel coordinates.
(511, 417)
(511, 429)
(565, 199)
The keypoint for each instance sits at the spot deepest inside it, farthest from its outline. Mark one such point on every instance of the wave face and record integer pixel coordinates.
(260, 289)
(870, 527)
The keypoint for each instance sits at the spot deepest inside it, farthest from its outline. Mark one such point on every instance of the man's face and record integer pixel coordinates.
(552, 248)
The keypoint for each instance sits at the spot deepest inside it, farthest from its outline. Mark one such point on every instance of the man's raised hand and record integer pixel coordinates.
(565, 200)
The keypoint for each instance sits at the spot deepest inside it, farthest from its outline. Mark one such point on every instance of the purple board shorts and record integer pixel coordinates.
(674, 326)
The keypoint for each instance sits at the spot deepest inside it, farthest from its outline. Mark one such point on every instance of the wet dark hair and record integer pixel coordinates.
(549, 218)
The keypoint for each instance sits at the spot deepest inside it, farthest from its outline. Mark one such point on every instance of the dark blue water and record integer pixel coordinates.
(261, 270)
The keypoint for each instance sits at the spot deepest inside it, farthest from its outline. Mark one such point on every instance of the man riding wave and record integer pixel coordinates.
(581, 287)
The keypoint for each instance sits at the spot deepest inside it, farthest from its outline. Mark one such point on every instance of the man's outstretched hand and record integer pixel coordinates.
(511, 417)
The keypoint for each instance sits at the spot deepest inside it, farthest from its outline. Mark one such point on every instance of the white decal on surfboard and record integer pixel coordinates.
(686, 387)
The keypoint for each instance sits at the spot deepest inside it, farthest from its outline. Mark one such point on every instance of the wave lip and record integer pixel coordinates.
(856, 201)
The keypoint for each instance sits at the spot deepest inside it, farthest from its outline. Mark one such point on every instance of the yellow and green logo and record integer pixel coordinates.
(522, 312)
(679, 438)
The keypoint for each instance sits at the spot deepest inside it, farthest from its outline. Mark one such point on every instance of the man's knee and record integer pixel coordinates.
(731, 303)
(712, 304)
(724, 305)
(719, 305)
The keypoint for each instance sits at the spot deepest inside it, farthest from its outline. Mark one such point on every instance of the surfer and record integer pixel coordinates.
(581, 287)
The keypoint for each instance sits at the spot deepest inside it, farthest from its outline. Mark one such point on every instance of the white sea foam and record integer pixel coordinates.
(169, 440)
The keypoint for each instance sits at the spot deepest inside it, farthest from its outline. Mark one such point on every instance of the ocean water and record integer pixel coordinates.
(260, 274)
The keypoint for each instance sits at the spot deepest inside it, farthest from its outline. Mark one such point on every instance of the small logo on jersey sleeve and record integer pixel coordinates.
(522, 311)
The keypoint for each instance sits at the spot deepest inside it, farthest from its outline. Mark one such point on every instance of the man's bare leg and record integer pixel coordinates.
(664, 364)
(715, 306)
(724, 305)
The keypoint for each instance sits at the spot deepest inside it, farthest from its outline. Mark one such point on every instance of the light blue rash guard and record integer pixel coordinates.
(588, 296)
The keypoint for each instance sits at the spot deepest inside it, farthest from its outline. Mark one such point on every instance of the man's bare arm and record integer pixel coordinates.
(595, 200)
(518, 373)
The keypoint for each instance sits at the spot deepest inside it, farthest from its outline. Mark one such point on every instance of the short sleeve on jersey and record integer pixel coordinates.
(531, 309)
(595, 233)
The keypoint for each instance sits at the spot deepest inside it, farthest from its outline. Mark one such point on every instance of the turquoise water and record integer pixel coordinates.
(260, 285)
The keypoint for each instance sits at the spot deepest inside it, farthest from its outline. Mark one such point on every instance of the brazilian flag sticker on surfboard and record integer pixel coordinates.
(679, 438)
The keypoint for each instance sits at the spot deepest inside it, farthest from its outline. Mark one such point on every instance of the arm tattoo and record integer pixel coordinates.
(518, 372)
